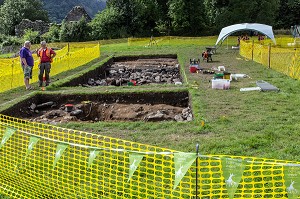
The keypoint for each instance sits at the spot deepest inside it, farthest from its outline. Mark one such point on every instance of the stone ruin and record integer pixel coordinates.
(76, 14)
(42, 27)
(38, 25)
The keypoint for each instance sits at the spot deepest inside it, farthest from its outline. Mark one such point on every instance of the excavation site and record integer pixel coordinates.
(132, 71)
(60, 108)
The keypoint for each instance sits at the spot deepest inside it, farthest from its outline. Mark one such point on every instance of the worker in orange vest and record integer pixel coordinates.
(46, 56)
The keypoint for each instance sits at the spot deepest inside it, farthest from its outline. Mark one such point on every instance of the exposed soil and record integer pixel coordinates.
(122, 71)
(54, 109)
(91, 111)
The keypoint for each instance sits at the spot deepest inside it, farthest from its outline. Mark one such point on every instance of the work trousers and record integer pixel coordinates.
(44, 69)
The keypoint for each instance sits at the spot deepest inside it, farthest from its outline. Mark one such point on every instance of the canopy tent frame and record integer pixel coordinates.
(261, 28)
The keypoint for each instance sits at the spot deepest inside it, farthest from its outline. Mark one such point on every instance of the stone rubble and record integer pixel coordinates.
(104, 112)
(120, 74)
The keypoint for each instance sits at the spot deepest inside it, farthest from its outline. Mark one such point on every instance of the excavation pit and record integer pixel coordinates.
(132, 71)
(60, 108)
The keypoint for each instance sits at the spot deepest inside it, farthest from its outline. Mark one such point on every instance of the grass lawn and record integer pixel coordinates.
(260, 124)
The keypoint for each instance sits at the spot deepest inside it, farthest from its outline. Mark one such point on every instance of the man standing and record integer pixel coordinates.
(46, 56)
(27, 63)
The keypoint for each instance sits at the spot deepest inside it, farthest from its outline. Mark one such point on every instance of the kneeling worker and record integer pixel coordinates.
(46, 56)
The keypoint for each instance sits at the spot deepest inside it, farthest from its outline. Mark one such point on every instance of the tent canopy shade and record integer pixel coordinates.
(261, 28)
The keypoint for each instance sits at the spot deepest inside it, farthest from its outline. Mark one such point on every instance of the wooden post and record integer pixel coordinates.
(252, 49)
(269, 55)
(99, 49)
(68, 54)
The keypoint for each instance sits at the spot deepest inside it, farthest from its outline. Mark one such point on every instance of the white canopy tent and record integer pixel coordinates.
(262, 28)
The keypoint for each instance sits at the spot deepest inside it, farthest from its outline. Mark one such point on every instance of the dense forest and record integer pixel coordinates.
(190, 17)
(143, 18)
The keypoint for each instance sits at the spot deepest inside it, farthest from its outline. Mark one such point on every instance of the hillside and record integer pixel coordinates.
(58, 9)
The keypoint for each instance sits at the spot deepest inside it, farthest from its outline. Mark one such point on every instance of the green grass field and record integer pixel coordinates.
(260, 124)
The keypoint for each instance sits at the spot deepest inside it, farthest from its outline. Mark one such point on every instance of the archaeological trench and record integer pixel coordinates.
(131, 106)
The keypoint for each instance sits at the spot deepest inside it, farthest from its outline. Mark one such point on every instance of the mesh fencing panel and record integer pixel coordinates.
(69, 57)
(170, 40)
(32, 173)
(284, 60)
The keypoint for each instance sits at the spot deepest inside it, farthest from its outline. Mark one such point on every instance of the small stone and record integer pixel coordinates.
(189, 119)
(178, 118)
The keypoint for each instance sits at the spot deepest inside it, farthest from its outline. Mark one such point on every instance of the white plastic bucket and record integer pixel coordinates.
(223, 84)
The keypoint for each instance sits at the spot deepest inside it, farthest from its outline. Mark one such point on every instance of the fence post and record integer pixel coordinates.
(269, 55)
(12, 73)
(68, 54)
(197, 152)
(99, 49)
(252, 49)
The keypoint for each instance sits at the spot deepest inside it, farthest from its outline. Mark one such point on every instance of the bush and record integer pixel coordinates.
(282, 32)
(6, 40)
(74, 31)
(107, 25)
(32, 36)
(53, 34)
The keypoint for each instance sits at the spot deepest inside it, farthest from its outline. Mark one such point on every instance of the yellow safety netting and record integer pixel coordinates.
(284, 60)
(31, 175)
(170, 40)
(69, 57)
(288, 42)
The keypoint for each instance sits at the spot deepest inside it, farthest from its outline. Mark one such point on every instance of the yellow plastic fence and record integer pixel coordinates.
(288, 42)
(69, 57)
(170, 40)
(284, 60)
(43, 161)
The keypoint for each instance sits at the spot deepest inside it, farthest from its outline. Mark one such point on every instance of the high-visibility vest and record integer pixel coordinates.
(47, 54)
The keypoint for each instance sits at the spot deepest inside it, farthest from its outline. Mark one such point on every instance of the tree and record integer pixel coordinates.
(107, 25)
(237, 11)
(13, 11)
(288, 14)
(129, 12)
(147, 16)
(163, 22)
(187, 17)
(123, 18)
(75, 31)
(53, 34)
(32, 36)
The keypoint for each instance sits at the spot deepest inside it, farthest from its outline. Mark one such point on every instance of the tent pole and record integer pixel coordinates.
(227, 43)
